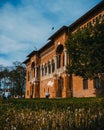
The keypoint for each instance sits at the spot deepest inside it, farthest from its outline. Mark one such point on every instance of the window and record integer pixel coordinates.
(59, 53)
(53, 65)
(27, 92)
(85, 84)
(97, 83)
(100, 16)
(94, 21)
(28, 76)
(45, 69)
(58, 61)
(42, 70)
(63, 60)
(33, 69)
(49, 68)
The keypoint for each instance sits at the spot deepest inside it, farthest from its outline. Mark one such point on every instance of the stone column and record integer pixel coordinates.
(65, 56)
(30, 75)
(40, 71)
(55, 59)
(35, 71)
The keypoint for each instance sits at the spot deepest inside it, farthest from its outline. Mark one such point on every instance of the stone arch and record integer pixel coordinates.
(59, 49)
(33, 69)
(33, 65)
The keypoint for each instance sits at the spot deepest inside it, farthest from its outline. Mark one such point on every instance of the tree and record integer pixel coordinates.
(17, 76)
(86, 51)
(4, 76)
(14, 77)
(1, 71)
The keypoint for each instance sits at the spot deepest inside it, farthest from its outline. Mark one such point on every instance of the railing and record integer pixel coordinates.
(58, 71)
(33, 80)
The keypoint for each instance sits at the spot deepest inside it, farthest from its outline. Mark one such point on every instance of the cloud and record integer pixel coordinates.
(27, 24)
(23, 23)
(21, 29)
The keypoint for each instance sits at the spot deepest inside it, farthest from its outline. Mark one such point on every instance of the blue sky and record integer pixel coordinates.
(26, 24)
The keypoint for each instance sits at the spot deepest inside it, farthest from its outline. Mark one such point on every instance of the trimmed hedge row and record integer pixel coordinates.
(50, 104)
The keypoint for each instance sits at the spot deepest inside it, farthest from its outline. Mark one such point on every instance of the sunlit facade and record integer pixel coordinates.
(46, 71)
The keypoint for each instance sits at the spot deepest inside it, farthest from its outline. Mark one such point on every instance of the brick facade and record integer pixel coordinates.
(46, 71)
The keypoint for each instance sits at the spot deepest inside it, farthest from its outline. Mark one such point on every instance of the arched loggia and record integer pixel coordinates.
(59, 53)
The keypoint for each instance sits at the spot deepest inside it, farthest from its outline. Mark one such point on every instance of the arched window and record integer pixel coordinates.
(45, 69)
(63, 60)
(33, 69)
(58, 61)
(49, 67)
(32, 65)
(28, 75)
(42, 69)
(53, 66)
(59, 52)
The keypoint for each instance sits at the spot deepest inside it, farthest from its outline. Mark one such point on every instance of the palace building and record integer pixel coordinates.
(46, 72)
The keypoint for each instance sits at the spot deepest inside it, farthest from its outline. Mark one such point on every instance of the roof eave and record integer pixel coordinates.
(83, 17)
(32, 53)
(57, 32)
(26, 61)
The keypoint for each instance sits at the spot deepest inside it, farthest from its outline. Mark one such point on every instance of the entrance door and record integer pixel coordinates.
(60, 87)
(31, 91)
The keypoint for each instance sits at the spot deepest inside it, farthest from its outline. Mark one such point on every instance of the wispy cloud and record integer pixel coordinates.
(25, 24)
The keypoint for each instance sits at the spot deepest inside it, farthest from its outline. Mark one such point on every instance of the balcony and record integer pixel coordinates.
(58, 72)
(33, 80)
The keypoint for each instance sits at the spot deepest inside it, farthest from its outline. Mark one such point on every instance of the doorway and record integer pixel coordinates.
(60, 87)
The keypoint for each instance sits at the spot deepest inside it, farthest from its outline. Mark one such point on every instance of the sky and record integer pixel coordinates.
(26, 25)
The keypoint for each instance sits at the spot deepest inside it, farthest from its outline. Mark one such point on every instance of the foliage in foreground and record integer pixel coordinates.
(86, 51)
(62, 114)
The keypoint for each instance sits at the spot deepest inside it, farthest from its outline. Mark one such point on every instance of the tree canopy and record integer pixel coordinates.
(14, 75)
(86, 51)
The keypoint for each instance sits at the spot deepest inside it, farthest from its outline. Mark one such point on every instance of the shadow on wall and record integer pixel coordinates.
(100, 89)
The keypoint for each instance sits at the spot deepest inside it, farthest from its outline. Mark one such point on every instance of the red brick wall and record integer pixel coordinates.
(78, 90)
